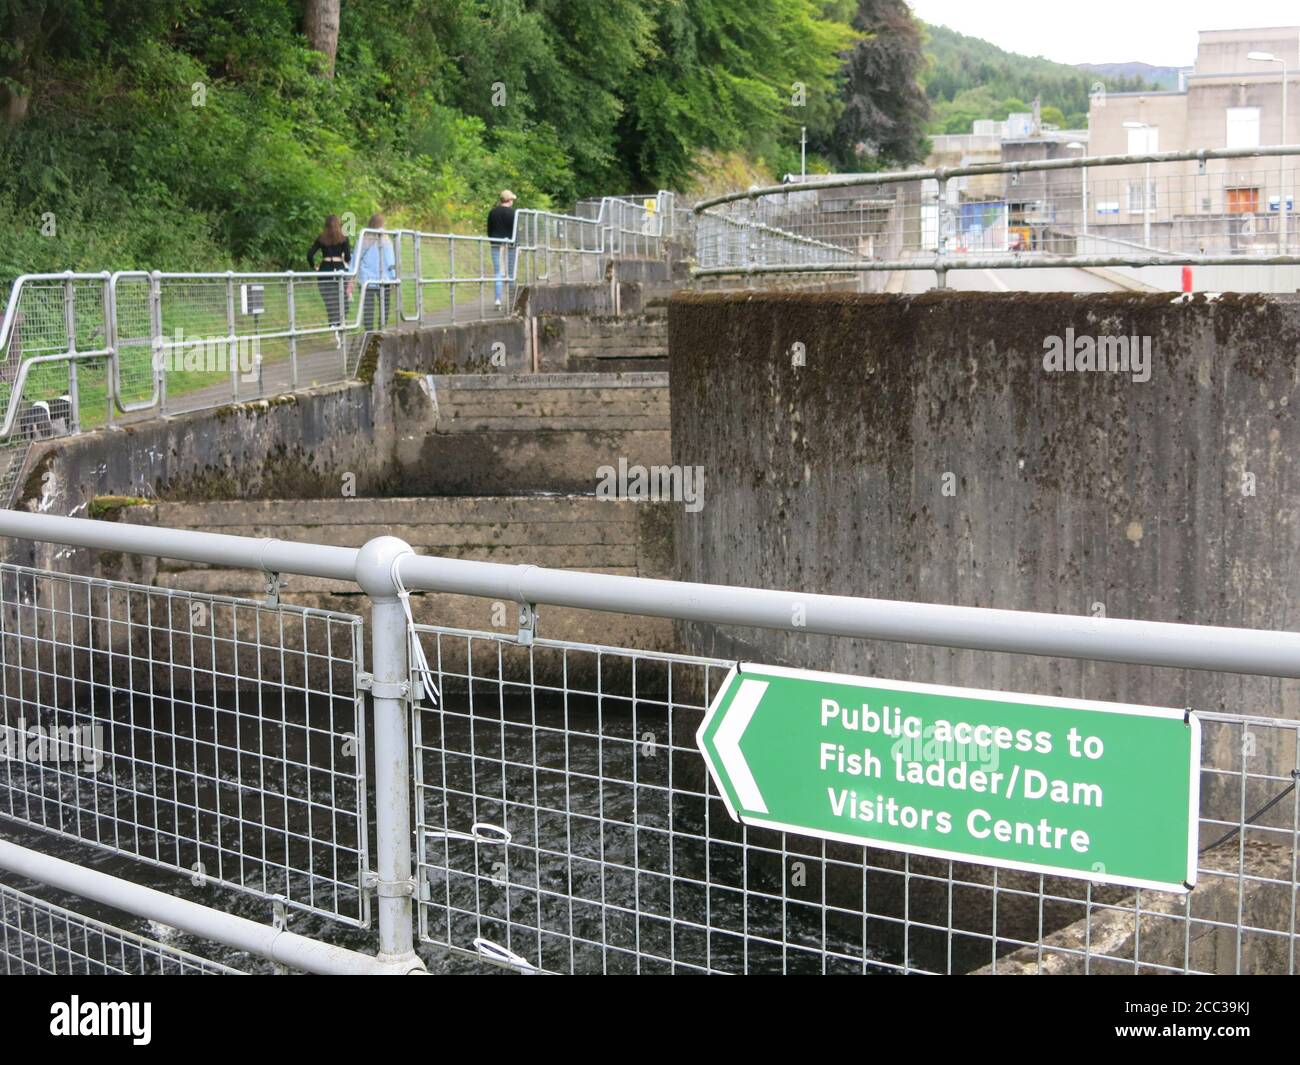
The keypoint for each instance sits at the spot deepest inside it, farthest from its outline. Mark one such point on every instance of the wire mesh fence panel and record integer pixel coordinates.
(49, 405)
(566, 823)
(54, 314)
(222, 738)
(38, 938)
(401, 302)
(135, 325)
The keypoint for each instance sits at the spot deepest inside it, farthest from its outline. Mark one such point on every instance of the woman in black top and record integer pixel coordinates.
(335, 257)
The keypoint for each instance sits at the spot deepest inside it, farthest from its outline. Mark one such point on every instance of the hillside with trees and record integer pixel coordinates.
(209, 133)
(968, 79)
(215, 133)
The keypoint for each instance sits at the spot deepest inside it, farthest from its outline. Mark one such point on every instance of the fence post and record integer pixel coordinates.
(156, 346)
(70, 325)
(109, 303)
(390, 690)
(940, 237)
(230, 335)
(292, 312)
(418, 266)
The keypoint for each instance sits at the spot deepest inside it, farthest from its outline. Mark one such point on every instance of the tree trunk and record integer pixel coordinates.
(14, 106)
(320, 22)
(28, 32)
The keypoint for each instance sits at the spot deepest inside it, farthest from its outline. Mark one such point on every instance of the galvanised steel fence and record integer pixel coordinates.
(540, 804)
(39, 938)
(1213, 207)
(85, 350)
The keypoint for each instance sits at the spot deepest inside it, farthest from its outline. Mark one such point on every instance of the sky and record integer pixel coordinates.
(1160, 32)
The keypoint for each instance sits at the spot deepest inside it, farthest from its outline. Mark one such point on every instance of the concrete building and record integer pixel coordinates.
(1231, 98)
(995, 212)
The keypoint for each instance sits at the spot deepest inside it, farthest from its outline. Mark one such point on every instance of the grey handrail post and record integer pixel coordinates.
(940, 235)
(230, 335)
(156, 345)
(292, 312)
(418, 266)
(451, 273)
(390, 684)
(70, 325)
(109, 302)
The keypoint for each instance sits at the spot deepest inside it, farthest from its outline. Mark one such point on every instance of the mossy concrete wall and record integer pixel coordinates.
(306, 445)
(922, 452)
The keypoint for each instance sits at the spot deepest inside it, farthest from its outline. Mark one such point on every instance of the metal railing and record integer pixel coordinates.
(540, 803)
(38, 938)
(86, 350)
(1212, 207)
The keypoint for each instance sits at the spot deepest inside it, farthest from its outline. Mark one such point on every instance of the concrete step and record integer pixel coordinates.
(565, 532)
(636, 364)
(239, 583)
(552, 556)
(617, 338)
(562, 532)
(513, 434)
(224, 516)
(441, 536)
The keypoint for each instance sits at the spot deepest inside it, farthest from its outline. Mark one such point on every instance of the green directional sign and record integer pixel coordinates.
(1100, 791)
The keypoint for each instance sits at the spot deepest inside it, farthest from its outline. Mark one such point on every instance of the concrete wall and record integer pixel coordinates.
(565, 532)
(1074, 492)
(300, 445)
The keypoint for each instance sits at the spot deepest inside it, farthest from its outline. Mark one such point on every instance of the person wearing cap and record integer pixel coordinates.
(501, 232)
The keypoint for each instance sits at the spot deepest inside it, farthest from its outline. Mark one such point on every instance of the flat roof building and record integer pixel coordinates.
(1228, 100)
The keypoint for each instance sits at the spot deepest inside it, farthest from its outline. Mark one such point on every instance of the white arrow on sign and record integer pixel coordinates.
(727, 744)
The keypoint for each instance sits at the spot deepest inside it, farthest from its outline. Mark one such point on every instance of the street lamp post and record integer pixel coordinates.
(1269, 57)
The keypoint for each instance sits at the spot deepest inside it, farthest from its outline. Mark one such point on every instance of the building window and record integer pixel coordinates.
(1243, 127)
(1243, 200)
(1144, 141)
(1135, 203)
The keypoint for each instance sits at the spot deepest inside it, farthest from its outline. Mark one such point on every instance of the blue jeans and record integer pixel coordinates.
(508, 275)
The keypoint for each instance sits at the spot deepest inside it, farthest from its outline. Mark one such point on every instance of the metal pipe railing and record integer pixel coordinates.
(1029, 166)
(386, 569)
(1206, 207)
(277, 945)
(1136, 642)
(548, 239)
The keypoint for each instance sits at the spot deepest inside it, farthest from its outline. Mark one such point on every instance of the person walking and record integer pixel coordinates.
(501, 232)
(378, 266)
(335, 253)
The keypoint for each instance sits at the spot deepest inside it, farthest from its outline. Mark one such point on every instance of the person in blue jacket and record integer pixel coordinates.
(378, 266)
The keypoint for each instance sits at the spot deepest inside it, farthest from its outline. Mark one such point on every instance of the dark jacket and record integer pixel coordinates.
(501, 223)
(333, 256)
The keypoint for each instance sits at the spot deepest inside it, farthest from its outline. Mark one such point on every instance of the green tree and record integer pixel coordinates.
(885, 109)
(728, 76)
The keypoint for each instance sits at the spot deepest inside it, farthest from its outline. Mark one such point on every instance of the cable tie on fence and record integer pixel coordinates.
(419, 663)
(496, 952)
